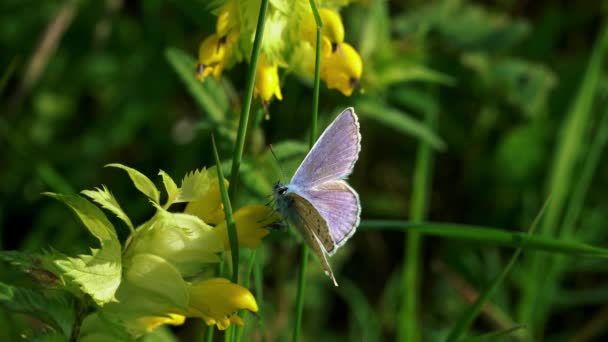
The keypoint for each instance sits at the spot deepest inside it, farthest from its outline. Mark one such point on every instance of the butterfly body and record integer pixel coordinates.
(317, 200)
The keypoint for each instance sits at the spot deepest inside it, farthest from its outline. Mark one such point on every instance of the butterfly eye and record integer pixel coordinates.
(282, 190)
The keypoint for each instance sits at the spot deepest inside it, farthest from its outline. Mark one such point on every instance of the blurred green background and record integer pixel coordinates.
(518, 88)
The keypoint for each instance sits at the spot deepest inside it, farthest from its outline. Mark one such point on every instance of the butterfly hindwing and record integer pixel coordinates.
(313, 228)
(338, 204)
(333, 155)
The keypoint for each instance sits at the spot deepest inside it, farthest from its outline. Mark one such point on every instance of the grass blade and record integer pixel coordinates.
(493, 336)
(407, 329)
(489, 235)
(244, 119)
(569, 150)
(232, 236)
(399, 121)
(183, 64)
(463, 324)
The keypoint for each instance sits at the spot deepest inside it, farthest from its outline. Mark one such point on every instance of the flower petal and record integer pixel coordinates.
(209, 207)
(250, 222)
(217, 300)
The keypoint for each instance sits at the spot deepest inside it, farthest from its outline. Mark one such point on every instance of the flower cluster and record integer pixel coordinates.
(160, 275)
(289, 42)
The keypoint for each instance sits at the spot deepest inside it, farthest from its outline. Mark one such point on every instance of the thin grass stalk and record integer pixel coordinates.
(313, 137)
(489, 236)
(210, 329)
(469, 316)
(559, 263)
(533, 305)
(244, 120)
(231, 225)
(246, 281)
(232, 235)
(408, 326)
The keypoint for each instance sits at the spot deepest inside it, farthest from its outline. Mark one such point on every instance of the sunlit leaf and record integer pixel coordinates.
(170, 186)
(105, 198)
(98, 274)
(141, 182)
(194, 185)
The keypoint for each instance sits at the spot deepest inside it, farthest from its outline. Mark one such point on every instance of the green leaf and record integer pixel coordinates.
(489, 235)
(170, 186)
(55, 309)
(402, 122)
(141, 182)
(96, 327)
(98, 274)
(105, 198)
(151, 287)
(35, 265)
(212, 103)
(194, 185)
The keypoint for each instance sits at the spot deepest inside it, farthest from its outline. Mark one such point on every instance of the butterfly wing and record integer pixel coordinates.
(333, 155)
(338, 204)
(313, 228)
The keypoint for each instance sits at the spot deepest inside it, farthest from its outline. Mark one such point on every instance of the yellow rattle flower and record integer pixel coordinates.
(342, 69)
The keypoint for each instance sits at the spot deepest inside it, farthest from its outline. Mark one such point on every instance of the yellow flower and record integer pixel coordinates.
(149, 324)
(267, 81)
(332, 32)
(217, 300)
(212, 57)
(209, 207)
(342, 69)
(227, 25)
(250, 222)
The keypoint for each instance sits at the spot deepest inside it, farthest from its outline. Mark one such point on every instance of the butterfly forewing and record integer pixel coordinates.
(333, 155)
(338, 204)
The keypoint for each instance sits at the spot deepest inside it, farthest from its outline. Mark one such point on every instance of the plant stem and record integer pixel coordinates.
(409, 327)
(313, 138)
(232, 235)
(242, 130)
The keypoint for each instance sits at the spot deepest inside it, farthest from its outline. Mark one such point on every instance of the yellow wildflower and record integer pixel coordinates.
(332, 32)
(267, 81)
(250, 225)
(251, 221)
(217, 300)
(209, 207)
(342, 69)
(212, 57)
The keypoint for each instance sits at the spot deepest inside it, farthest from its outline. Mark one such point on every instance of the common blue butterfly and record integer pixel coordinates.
(317, 200)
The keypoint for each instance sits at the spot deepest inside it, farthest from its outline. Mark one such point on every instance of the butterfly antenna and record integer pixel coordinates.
(277, 159)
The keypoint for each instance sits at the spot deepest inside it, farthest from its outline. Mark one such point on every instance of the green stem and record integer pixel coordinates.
(313, 138)
(232, 235)
(408, 327)
(242, 130)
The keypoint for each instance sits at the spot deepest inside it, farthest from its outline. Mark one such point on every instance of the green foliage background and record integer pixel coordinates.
(518, 91)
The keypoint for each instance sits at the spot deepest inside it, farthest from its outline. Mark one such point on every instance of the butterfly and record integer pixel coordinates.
(317, 200)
